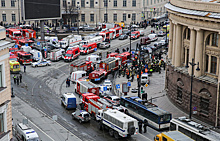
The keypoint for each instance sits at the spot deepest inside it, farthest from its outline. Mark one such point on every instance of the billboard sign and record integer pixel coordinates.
(41, 9)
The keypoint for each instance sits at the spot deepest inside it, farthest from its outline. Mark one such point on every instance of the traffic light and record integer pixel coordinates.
(154, 8)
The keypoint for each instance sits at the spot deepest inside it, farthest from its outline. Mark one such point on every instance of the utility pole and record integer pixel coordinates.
(140, 69)
(130, 41)
(77, 20)
(19, 11)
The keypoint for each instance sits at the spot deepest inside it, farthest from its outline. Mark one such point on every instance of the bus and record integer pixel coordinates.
(193, 130)
(156, 117)
(166, 30)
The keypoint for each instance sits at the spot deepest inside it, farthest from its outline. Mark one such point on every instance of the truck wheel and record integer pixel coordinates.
(116, 135)
(111, 132)
(131, 130)
(80, 121)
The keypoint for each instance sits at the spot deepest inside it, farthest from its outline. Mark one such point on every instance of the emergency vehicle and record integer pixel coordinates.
(97, 39)
(113, 54)
(83, 86)
(88, 48)
(14, 66)
(81, 65)
(25, 133)
(135, 34)
(117, 31)
(56, 54)
(24, 57)
(106, 35)
(123, 57)
(94, 58)
(108, 25)
(117, 123)
(72, 54)
(70, 40)
(14, 34)
(77, 75)
(23, 42)
(13, 57)
(36, 55)
(109, 64)
(28, 33)
(13, 50)
(68, 100)
(97, 75)
(26, 49)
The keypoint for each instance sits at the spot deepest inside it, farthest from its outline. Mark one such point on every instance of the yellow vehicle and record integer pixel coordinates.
(164, 28)
(121, 24)
(14, 66)
(172, 136)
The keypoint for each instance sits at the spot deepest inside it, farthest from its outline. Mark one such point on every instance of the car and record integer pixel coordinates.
(83, 27)
(161, 34)
(135, 26)
(89, 29)
(122, 37)
(105, 45)
(115, 100)
(158, 45)
(73, 28)
(108, 84)
(81, 115)
(126, 32)
(41, 63)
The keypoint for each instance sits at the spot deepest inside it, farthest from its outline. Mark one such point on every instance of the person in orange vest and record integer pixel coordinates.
(141, 72)
(137, 77)
(146, 70)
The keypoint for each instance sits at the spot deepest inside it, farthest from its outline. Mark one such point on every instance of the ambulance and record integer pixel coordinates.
(14, 66)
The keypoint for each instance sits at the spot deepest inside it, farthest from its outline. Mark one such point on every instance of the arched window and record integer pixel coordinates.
(204, 101)
(188, 34)
(179, 90)
(214, 39)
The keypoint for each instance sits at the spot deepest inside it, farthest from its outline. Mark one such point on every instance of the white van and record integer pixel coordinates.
(26, 48)
(76, 75)
(145, 78)
(94, 58)
(141, 33)
(37, 55)
(153, 37)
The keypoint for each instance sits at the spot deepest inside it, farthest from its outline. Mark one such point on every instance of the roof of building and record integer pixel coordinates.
(193, 12)
(5, 44)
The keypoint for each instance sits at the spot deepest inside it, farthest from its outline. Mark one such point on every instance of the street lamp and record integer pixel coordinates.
(140, 69)
(197, 69)
(130, 41)
(78, 19)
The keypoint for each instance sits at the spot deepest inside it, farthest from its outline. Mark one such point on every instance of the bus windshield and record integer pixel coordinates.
(26, 57)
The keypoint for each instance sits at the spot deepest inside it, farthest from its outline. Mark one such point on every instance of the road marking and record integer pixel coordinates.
(145, 137)
(33, 124)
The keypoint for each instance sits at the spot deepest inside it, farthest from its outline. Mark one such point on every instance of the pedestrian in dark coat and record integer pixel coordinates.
(20, 78)
(140, 127)
(145, 126)
(17, 78)
(67, 82)
(24, 68)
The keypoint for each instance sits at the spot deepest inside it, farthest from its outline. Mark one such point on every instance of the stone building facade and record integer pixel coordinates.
(5, 92)
(194, 36)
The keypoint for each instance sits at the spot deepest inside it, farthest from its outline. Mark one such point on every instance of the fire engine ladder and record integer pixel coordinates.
(105, 103)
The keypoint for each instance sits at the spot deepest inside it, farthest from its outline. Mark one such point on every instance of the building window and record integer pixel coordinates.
(204, 103)
(157, 1)
(4, 17)
(133, 16)
(106, 17)
(3, 3)
(147, 2)
(12, 3)
(13, 17)
(1, 123)
(179, 93)
(188, 35)
(213, 64)
(83, 17)
(92, 17)
(124, 16)
(207, 40)
(64, 3)
(82, 3)
(215, 39)
(151, 2)
(73, 3)
(154, 1)
(133, 3)
(124, 3)
(105, 3)
(91, 3)
(115, 17)
(115, 3)
(207, 63)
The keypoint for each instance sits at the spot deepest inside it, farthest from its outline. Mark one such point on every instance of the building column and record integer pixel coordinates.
(178, 45)
(192, 48)
(217, 71)
(174, 44)
(209, 65)
(170, 49)
(185, 56)
(199, 52)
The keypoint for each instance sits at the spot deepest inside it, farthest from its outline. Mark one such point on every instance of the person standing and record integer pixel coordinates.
(20, 78)
(66, 82)
(17, 78)
(140, 127)
(145, 125)
(14, 79)
(24, 68)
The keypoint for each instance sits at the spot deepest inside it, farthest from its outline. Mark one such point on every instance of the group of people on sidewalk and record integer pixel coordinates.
(17, 79)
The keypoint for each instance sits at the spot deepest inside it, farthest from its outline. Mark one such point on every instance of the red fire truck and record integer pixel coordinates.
(113, 54)
(82, 86)
(123, 57)
(81, 65)
(24, 57)
(109, 64)
(88, 48)
(117, 31)
(97, 75)
(72, 54)
(23, 42)
(28, 33)
(14, 34)
(13, 50)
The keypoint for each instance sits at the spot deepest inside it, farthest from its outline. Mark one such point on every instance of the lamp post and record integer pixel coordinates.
(130, 41)
(78, 19)
(197, 69)
(140, 69)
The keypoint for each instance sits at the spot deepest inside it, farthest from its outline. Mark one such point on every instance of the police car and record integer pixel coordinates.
(108, 84)
(41, 63)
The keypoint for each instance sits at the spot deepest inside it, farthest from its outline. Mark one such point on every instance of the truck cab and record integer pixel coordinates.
(81, 115)
(88, 48)
(68, 100)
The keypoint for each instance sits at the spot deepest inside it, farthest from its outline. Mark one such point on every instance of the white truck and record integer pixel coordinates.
(25, 133)
(56, 54)
(76, 75)
(26, 48)
(70, 40)
(117, 123)
(94, 58)
(96, 39)
(37, 55)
